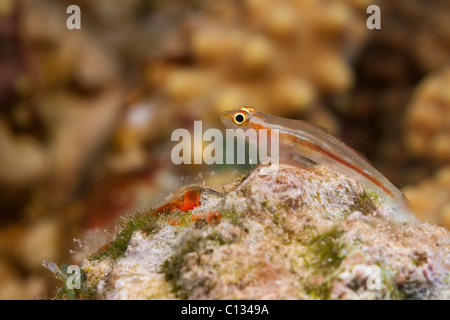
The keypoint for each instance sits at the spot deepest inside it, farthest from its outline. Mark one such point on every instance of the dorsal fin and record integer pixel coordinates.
(354, 147)
(326, 130)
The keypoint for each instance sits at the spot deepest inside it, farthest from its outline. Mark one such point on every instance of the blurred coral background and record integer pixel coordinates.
(86, 115)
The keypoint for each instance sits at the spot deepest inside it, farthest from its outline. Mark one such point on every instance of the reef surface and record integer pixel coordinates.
(300, 234)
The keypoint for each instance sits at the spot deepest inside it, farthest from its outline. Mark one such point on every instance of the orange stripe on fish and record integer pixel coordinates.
(338, 159)
(325, 152)
(300, 138)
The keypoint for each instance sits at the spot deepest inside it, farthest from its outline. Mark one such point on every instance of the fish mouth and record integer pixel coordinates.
(226, 119)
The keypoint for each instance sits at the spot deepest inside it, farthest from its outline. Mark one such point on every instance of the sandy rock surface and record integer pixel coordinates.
(299, 234)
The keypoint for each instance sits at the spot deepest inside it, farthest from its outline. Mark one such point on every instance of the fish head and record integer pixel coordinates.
(239, 118)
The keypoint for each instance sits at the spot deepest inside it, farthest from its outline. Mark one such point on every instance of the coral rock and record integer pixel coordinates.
(300, 234)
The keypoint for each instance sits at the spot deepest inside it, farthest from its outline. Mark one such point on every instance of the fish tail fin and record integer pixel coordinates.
(404, 211)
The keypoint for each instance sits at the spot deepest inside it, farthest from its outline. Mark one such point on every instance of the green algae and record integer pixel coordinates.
(173, 267)
(318, 292)
(138, 222)
(367, 202)
(326, 250)
(233, 217)
(325, 253)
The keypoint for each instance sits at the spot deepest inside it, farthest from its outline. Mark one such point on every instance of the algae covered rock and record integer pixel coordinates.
(300, 234)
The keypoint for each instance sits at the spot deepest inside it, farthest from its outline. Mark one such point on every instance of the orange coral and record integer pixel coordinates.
(213, 217)
(189, 201)
(195, 217)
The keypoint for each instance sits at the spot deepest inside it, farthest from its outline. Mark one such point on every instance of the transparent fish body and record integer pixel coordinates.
(298, 138)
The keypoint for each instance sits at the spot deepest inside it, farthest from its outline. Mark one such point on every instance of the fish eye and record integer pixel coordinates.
(239, 118)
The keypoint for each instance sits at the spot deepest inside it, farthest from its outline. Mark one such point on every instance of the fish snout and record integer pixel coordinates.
(227, 119)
